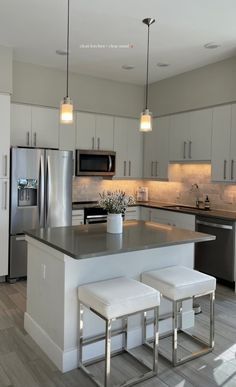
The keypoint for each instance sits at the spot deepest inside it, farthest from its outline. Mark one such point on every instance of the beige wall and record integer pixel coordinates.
(5, 70)
(207, 86)
(45, 86)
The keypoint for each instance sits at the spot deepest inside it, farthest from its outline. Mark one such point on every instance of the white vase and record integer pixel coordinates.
(114, 223)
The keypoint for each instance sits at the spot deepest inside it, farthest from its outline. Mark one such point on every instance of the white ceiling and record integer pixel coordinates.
(37, 28)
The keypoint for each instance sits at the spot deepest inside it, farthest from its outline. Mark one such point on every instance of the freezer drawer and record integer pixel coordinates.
(18, 257)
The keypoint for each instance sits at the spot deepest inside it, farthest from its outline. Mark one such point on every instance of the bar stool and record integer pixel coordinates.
(177, 284)
(114, 299)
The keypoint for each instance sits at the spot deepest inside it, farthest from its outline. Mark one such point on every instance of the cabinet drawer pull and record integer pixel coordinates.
(225, 164)
(129, 168)
(232, 169)
(5, 196)
(124, 168)
(5, 165)
(27, 138)
(190, 149)
(35, 138)
(185, 143)
(152, 163)
(98, 142)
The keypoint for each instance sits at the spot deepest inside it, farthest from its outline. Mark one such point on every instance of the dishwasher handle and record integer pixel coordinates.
(216, 225)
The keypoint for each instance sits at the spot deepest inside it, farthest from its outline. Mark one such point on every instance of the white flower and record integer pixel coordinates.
(115, 202)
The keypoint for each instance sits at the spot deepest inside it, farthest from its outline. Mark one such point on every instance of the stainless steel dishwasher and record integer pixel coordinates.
(216, 257)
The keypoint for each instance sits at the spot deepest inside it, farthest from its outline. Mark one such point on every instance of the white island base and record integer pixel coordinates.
(51, 317)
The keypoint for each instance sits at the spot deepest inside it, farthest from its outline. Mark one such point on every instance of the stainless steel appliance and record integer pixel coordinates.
(216, 257)
(41, 196)
(95, 163)
(142, 194)
(95, 215)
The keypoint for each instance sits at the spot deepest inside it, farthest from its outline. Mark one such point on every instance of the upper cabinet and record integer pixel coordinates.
(45, 127)
(224, 144)
(34, 126)
(128, 144)
(94, 131)
(156, 150)
(190, 136)
(5, 136)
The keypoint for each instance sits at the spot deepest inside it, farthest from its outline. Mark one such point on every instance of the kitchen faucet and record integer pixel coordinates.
(195, 188)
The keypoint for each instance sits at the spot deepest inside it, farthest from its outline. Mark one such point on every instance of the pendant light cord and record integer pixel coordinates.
(67, 50)
(147, 76)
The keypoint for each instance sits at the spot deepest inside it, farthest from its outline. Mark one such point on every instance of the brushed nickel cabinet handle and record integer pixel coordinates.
(225, 165)
(27, 138)
(35, 138)
(152, 163)
(98, 140)
(156, 168)
(5, 195)
(232, 169)
(5, 165)
(93, 139)
(124, 168)
(190, 149)
(129, 168)
(185, 143)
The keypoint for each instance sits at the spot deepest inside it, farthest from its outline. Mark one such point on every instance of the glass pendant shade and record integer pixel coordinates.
(146, 121)
(66, 111)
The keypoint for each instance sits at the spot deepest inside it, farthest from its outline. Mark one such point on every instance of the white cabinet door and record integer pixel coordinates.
(232, 160)
(120, 146)
(179, 137)
(45, 127)
(174, 219)
(134, 149)
(20, 125)
(221, 143)
(145, 214)
(5, 135)
(150, 141)
(4, 225)
(201, 131)
(132, 213)
(162, 125)
(85, 130)
(104, 132)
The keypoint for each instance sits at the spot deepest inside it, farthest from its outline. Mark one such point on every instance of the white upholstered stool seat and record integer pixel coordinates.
(110, 300)
(118, 297)
(177, 284)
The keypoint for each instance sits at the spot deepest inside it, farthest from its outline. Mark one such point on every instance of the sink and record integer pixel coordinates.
(183, 207)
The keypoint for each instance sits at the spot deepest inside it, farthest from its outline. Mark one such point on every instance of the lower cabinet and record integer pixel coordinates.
(132, 213)
(171, 218)
(4, 225)
(77, 217)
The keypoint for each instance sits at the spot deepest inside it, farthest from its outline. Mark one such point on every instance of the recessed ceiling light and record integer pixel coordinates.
(127, 67)
(162, 64)
(211, 45)
(61, 52)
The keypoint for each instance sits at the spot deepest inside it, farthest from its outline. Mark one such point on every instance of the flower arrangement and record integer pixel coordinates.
(115, 202)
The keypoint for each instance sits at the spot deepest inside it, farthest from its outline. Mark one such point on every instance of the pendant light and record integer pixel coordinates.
(146, 115)
(66, 109)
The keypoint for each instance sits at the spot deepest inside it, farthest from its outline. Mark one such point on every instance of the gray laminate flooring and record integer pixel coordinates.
(23, 364)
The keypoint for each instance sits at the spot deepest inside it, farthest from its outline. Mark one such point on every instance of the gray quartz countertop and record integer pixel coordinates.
(88, 241)
(221, 214)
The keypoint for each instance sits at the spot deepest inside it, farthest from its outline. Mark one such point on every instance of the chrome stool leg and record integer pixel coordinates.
(81, 326)
(156, 339)
(125, 333)
(175, 333)
(212, 319)
(108, 354)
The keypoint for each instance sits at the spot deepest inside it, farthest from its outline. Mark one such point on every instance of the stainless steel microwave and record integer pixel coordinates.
(95, 163)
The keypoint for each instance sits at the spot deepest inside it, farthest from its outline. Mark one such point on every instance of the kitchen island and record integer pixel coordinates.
(63, 258)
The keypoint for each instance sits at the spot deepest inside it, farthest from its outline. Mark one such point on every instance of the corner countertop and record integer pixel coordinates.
(221, 214)
(89, 241)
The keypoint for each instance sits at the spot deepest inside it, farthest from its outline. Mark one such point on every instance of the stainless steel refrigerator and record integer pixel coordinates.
(41, 196)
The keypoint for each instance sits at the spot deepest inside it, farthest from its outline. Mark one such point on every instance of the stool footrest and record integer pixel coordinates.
(96, 338)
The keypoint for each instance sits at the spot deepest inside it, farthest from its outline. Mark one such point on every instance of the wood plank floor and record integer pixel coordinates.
(23, 364)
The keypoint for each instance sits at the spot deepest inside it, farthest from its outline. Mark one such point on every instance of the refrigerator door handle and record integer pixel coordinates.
(48, 190)
(41, 191)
